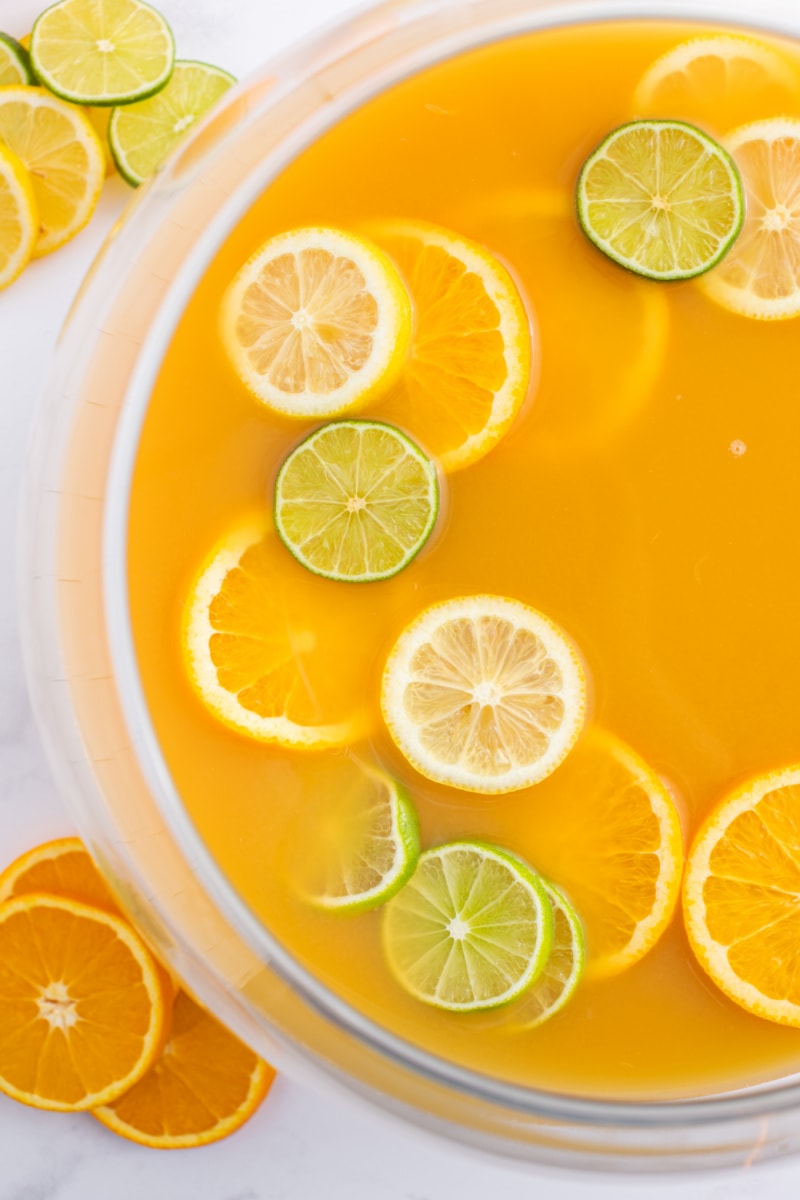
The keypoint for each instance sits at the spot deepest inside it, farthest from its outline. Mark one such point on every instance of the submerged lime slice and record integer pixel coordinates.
(142, 135)
(562, 972)
(661, 198)
(361, 842)
(15, 62)
(113, 52)
(471, 930)
(356, 501)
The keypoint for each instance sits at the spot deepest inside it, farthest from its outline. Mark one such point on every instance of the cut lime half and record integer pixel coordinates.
(102, 51)
(562, 972)
(15, 62)
(661, 198)
(356, 501)
(142, 135)
(362, 840)
(472, 929)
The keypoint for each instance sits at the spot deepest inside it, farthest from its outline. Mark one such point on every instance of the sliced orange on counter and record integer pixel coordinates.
(62, 867)
(204, 1086)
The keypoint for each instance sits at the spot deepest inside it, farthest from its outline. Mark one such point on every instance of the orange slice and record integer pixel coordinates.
(204, 1086)
(741, 896)
(470, 360)
(62, 868)
(606, 829)
(81, 1009)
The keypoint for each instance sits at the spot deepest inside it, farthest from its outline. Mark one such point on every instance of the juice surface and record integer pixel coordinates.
(645, 499)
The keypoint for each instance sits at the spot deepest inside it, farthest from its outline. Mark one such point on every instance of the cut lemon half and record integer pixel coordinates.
(15, 62)
(661, 198)
(607, 828)
(81, 1008)
(721, 80)
(142, 135)
(761, 276)
(484, 693)
(102, 51)
(562, 972)
(356, 501)
(203, 1087)
(471, 930)
(741, 896)
(470, 362)
(317, 322)
(266, 652)
(357, 836)
(63, 156)
(60, 868)
(19, 217)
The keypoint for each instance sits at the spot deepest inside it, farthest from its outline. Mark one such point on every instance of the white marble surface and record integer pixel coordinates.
(299, 1145)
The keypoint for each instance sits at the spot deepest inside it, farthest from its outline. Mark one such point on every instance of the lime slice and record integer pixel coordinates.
(15, 62)
(562, 972)
(360, 838)
(661, 198)
(102, 53)
(142, 135)
(472, 928)
(356, 501)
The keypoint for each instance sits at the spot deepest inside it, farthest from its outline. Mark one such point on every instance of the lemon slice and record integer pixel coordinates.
(484, 693)
(562, 972)
(356, 501)
(761, 276)
(317, 322)
(19, 217)
(15, 62)
(660, 198)
(142, 135)
(724, 79)
(266, 653)
(102, 51)
(470, 362)
(741, 896)
(358, 835)
(63, 156)
(471, 930)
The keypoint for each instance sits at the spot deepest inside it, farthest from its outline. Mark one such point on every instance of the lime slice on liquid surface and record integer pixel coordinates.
(472, 929)
(562, 972)
(15, 62)
(661, 198)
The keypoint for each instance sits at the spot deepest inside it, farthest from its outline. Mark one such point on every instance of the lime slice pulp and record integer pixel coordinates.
(356, 501)
(91, 53)
(661, 198)
(142, 135)
(562, 972)
(15, 62)
(472, 929)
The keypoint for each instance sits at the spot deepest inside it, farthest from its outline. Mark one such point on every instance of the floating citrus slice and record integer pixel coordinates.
(203, 1087)
(19, 217)
(661, 198)
(60, 868)
(81, 1008)
(484, 693)
(722, 80)
(356, 501)
(102, 53)
(317, 322)
(142, 135)
(63, 156)
(15, 62)
(266, 652)
(741, 896)
(562, 972)
(471, 930)
(470, 362)
(761, 276)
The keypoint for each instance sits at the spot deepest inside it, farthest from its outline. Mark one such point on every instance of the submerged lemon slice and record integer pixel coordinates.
(266, 652)
(660, 198)
(471, 930)
(761, 276)
(19, 217)
(63, 156)
(484, 693)
(470, 362)
(317, 322)
(741, 896)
